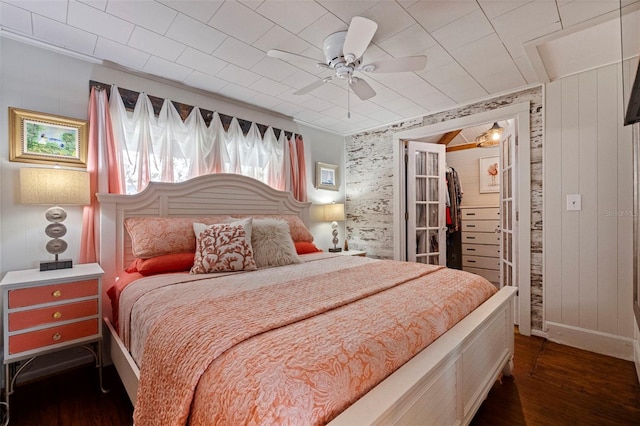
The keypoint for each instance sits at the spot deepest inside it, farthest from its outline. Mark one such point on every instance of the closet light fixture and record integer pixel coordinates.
(490, 138)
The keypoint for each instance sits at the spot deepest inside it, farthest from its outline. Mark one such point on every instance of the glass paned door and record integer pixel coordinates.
(426, 226)
(508, 222)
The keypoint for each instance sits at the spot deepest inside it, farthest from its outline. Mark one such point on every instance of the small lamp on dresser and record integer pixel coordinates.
(54, 186)
(334, 213)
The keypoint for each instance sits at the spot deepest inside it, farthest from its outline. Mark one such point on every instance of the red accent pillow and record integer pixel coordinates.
(163, 264)
(303, 247)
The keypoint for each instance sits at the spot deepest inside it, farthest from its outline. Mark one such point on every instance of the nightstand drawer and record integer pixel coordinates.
(34, 317)
(52, 293)
(480, 238)
(52, 336)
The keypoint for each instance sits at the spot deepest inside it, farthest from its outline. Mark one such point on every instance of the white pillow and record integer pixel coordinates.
(272, 243)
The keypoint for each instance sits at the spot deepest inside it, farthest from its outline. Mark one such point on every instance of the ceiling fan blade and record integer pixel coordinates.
(312, 86)
(361, 88)
(294, 58)
(408, 63)
(359, 35)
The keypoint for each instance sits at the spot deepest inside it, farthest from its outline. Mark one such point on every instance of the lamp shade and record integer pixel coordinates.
(54, 186)
(334, 212)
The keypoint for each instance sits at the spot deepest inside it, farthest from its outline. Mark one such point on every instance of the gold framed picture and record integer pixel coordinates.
(326, 176)
(36, 137)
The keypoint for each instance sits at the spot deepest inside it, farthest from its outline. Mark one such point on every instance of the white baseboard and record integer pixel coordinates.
(591, 340)
(636, 358)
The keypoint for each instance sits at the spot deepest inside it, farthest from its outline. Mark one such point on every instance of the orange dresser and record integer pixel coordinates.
(45, 311)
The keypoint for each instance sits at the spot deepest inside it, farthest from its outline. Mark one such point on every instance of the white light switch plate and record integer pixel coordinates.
(574, 202)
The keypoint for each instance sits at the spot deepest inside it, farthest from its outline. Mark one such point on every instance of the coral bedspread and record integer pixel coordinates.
(276, 347)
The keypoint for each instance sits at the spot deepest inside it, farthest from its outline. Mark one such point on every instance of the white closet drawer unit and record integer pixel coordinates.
(481, 250)
(481, 242)
(481, 262)
(491, 275)
(481, 238)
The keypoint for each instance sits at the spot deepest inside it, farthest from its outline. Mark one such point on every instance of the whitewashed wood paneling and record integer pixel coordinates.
(587, 256)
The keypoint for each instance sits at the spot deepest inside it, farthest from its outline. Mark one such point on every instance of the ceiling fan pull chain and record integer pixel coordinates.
(348, 101)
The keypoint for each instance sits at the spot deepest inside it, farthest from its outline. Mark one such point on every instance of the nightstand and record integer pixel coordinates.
(354, 253)
(45, 312)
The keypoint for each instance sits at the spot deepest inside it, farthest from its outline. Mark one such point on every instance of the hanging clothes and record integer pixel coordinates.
(454, 199)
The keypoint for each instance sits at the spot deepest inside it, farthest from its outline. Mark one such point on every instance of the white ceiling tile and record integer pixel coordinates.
(515, 42)
(234, 74)
(494, 8)
(465, 30)
(98, 4)
(398, 104)
(298, 16)
(197, 9)
(239, 53)
(321, 28)
(238, 92)
(204, 81)
(195, 34)
(523, 64)
(274, 69)
(489, 63)
(289, 96)
(94, 21)
(390, 17)
(252, 4)
(317, 104)
(436, 57)
(279, 38)
(527, 19)
(576, 12)
(374, 53)
(300, 79)
(414, 111)
(197, 60)
(120, 54)
(455, 82)
(408, 42)
(288, 108)
(155, 44)
(148, 14)
(168, 69)
(331, 92)
(52, 9)
(434, 14)
(269, 87)
(397, 81)
(436, 101)
(240, 22)
(265, 101)
(345, 10)
(15, 18)
(63, 35)
(308, 116)
(336, 112)
(385, 116)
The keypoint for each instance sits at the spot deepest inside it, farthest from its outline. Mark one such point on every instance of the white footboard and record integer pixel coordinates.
(446, 382)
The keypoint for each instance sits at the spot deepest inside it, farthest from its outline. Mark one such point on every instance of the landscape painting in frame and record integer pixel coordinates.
(36, 137)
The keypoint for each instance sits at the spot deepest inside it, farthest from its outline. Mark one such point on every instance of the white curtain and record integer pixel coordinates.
(166, 149)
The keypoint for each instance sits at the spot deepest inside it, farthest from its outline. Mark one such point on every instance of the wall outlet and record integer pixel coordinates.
(574, 202)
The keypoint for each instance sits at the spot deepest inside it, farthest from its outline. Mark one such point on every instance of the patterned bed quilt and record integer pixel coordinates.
(296, 344)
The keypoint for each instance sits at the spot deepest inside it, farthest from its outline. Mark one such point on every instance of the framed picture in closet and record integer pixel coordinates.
(489, 174)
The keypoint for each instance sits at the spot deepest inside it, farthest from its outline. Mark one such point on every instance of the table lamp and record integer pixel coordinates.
(334, 213)
(58, 187)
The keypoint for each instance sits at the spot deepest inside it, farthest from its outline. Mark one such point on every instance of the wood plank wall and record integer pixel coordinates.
(588, 254)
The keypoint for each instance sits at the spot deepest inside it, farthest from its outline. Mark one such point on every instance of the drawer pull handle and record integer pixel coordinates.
(56, 293)
(471, 261)
(57, 337)
(470, 226)
(471, 214)
(57, 315)
(471, 249)
(471, 238)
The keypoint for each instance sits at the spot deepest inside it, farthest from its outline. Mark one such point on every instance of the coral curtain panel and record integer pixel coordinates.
(167, 149)
(103, 168)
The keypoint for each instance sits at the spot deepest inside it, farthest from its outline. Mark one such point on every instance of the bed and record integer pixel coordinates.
(442, 383)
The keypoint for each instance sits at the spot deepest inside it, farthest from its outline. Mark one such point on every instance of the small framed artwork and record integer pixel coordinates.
(326, 176)
(489, 174)
(36, 137)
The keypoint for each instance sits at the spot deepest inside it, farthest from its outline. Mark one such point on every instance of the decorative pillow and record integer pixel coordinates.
(303, 247)
(155, 236)
(223, 247)
(164, 264)
(272, 243)
(297, 228)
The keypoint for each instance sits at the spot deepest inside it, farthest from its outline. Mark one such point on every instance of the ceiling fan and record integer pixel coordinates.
(343, 53)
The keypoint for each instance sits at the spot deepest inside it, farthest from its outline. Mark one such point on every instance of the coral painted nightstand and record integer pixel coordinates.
(48, 311)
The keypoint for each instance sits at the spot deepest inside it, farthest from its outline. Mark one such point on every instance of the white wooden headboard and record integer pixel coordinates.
(215, 194)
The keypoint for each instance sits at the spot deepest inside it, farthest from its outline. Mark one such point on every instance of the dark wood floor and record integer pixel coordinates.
(552, 385)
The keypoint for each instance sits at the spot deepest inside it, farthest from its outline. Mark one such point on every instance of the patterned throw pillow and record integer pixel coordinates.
(224, 247)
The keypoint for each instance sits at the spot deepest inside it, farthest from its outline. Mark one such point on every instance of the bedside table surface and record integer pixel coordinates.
(26, 276)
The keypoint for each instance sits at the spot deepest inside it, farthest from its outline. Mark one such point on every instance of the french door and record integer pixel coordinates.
(426, 192)
(509, 218)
